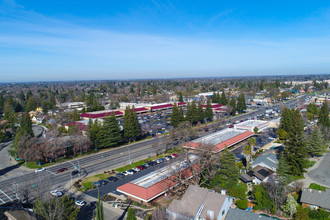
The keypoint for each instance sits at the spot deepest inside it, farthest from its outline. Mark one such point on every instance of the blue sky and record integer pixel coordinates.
(117, 39)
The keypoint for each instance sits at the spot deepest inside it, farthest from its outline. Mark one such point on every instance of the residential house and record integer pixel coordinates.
(200, 203)
(238, 214)
(315, 198)
(268, 159)
(257, 175)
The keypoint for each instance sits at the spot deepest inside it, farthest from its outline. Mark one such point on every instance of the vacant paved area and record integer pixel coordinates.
(320, 172)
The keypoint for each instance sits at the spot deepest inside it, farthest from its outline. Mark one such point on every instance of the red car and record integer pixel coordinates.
(140, 167)
(230, 126)
(174, 155)
(62, 170)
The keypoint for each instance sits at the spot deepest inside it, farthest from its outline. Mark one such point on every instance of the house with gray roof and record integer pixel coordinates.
(238, 214)
(315, 198)
(267, 159)
(200, 203)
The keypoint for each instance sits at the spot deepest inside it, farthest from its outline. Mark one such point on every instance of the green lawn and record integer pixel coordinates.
(311, 163)
(317, 187)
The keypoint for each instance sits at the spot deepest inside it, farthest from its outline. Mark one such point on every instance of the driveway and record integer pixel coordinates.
(320, 172)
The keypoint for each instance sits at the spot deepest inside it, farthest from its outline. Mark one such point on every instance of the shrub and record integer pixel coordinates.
(135, 203)
(143, 206)
(242, 204)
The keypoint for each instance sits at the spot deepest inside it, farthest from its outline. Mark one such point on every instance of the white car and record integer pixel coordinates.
(56, 193)
(136, 169)
(125, 173)
(80, 203)
(39, 170)
(129, 172)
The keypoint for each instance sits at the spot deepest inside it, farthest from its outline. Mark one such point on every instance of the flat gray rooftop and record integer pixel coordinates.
(251, 123)
(162, 173)
(219, 137)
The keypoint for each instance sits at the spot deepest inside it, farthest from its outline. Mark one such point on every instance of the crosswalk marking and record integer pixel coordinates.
(6, 195)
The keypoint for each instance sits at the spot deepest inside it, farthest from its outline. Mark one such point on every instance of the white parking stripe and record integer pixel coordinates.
(2, 201)
(6, 195)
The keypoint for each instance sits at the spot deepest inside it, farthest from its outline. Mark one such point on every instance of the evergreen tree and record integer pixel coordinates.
(228, 173)
(223, 99)
(21, 97)
(324, 116)
(136, 125)
(89, 125)
(214, 98)
(295, 151)
(128, 124)
(31, 104)
(111, 135)
(316, 146)
(75, 116)
(286, 119)
(194, 116)
(181, 114)
(175, 117)
(99, 207)
(132, 128)
(131, 214)
(180, 97)
(208, 111)
(232, 104)
(188, 112)
(95, 133)
(2, 103)
(200, 112)
(241, 105)
(26, 125)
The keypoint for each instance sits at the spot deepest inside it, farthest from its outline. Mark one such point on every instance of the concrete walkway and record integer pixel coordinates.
(319, 173)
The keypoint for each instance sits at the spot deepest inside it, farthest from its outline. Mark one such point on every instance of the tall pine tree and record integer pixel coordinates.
(324, 116)
(223, 99)
(208, 111)
(295, 151)
(232, 105)
(200, 112)
(175, 117)
(111, 135)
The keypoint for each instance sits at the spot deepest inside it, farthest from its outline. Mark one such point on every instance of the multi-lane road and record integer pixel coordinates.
(42, 182)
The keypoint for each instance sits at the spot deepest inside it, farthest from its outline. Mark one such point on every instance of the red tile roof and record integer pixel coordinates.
(142, 109)
(181, 103)
(161, 106)
(215, 106)
(227, 143)
(153, 191)
(80, 125)
(100, 115)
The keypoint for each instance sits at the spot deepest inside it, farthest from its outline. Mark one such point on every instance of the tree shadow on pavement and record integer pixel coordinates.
(124, 213)
(8, 169)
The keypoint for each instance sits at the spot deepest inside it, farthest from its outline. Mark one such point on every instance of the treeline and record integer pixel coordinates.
(194, 114)
(298, 144)
(109, 133)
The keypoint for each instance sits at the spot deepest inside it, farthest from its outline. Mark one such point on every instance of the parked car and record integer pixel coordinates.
(120, 175)
(161, 160)
(146, 165)
(125, 173)
(137, 169)
(140, 167)
(39, 170)
(80, 203)
(56, 193)
(105, 155)
(97, 184)
(62, 170)
(131, 172)
(152, 163)
(103, 182)
(174, 155)
(168, 157)
(112, 179)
